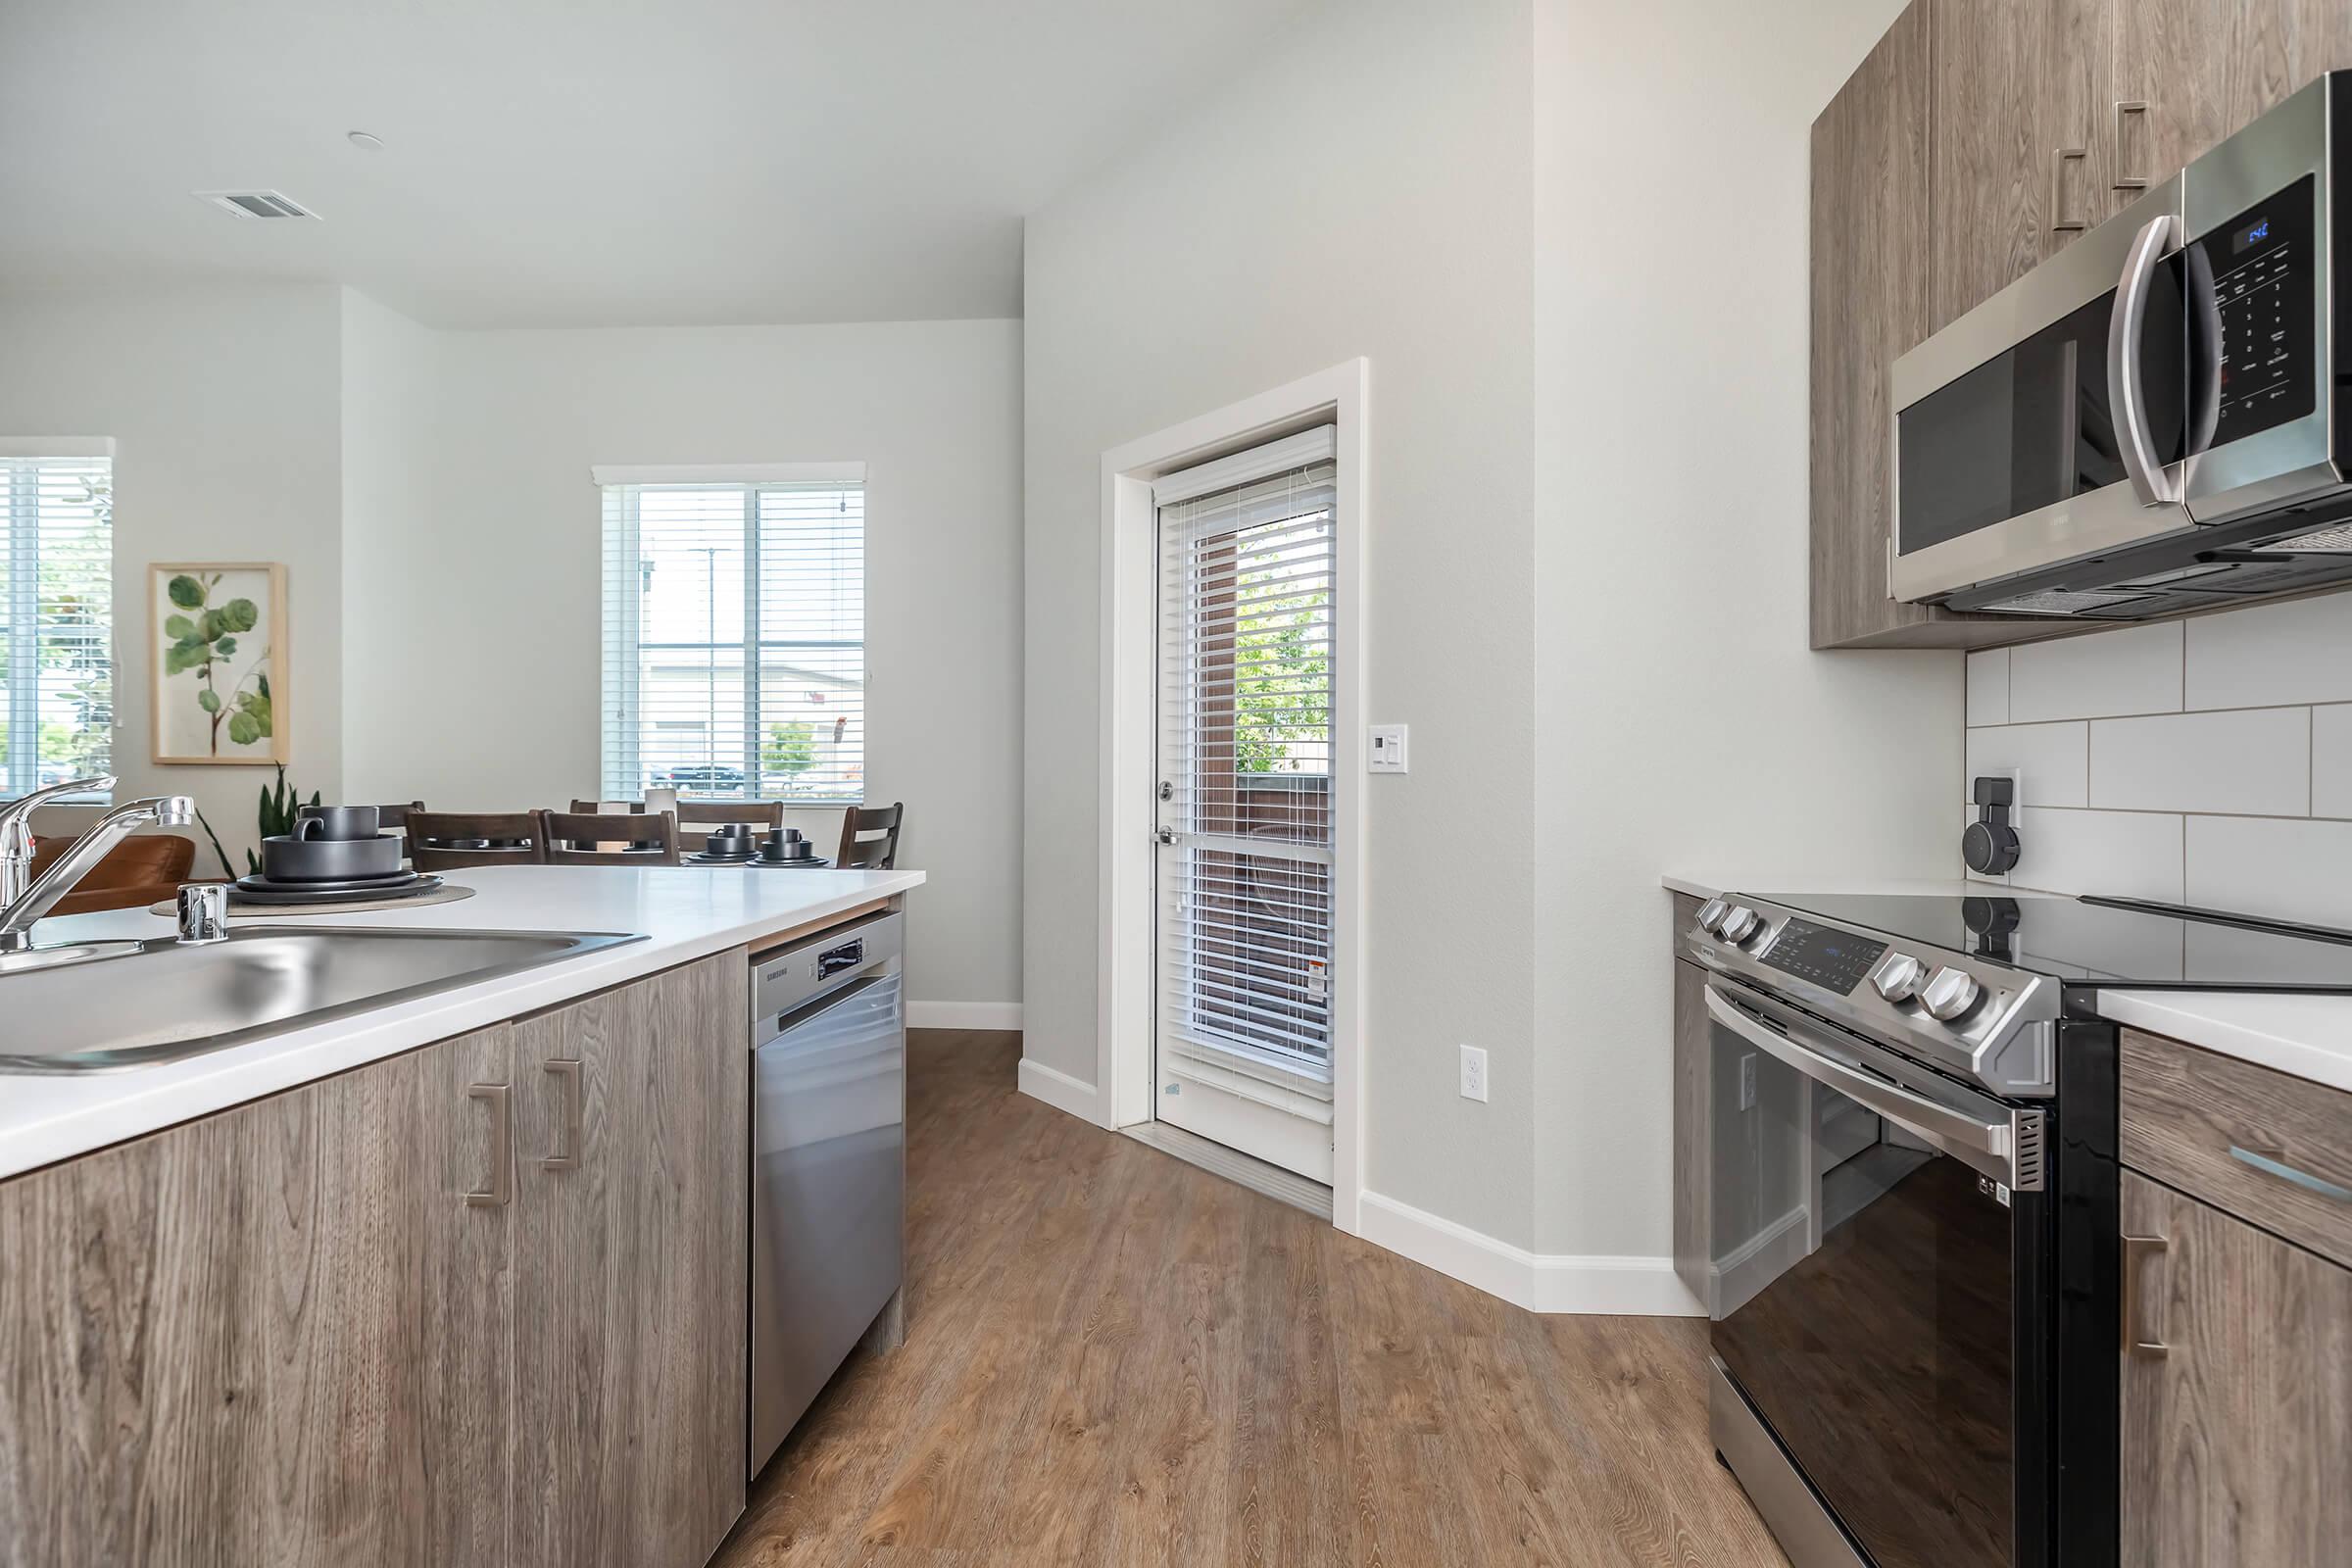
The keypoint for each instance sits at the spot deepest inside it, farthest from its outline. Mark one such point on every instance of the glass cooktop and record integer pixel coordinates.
(2111, 942)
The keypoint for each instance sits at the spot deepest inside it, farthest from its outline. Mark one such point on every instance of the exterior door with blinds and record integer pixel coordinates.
(1245, 824)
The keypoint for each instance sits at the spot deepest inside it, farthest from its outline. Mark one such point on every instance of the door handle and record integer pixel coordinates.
(501, 1191)
(567, 1143)
(2127, 387)
(2059, 224)
(2137, 1250)
(2124, 108)
(1163, 835)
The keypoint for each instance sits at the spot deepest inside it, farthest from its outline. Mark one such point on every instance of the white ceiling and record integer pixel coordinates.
(581, 162)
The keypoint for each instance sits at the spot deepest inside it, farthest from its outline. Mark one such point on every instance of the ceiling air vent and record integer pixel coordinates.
(255, 203)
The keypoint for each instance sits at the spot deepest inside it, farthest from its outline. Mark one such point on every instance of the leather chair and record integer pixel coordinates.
(143, 869)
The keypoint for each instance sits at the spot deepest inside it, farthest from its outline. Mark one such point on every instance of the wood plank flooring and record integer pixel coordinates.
(1115, 1358)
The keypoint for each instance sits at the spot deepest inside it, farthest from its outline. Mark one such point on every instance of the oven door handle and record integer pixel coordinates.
(1989, 1147)
(2127, 376)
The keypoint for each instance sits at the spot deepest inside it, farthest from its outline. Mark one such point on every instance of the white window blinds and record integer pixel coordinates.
(734, 639)
(1246, 750)
(57, 593)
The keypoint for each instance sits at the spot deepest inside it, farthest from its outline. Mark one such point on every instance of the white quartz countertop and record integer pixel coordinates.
(684, 913)
(2309, 1037)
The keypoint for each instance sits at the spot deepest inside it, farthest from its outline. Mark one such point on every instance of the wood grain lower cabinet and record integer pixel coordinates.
(365, 1322)
(2237, 1431)
(629, 1387)
(277, 1335)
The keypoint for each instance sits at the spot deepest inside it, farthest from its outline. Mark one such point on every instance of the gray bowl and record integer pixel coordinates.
(291, 859)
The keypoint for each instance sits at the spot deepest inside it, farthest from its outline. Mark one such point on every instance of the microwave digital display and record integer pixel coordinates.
(2263, 286)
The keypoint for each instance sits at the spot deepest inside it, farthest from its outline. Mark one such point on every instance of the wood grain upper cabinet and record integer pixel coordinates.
(1870, 303)
(2187, 72)
(276, 1335)
(631, 1402)
(2237, 1390)
(2017, 171)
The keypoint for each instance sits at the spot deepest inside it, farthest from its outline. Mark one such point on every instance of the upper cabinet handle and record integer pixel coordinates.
(567, 1147)
(2060, 223)
(2124, 109)
(501, 1191)
(2265, 1163)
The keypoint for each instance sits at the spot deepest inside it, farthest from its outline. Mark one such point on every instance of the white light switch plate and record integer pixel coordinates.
(1384, 752)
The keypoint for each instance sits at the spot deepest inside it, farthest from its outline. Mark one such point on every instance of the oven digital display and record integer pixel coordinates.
(1836, 959)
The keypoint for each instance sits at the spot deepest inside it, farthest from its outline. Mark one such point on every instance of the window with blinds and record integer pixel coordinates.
(734, 640)
(1246, 753)
(57, 595)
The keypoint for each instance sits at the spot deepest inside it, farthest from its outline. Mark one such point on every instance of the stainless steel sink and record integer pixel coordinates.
(103, 1007)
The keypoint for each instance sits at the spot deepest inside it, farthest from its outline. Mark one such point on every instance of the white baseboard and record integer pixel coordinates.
(1059, 1090)
(1644, 1286)
(963, 1015)
(1759, 1260)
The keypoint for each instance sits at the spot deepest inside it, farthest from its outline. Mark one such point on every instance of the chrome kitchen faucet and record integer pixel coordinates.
(24, 900)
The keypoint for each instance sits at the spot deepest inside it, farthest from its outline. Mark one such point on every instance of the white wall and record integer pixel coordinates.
(1681, 721)
(1357, 187)
(391, 410)
(222, 402)
(474, 669)
(2206, 761)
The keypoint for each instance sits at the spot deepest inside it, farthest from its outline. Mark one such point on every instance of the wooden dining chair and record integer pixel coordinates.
(447, 840)
(869, 837)
(572, 837)
(696, 818)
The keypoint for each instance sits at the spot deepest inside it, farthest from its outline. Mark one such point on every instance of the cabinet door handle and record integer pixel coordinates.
(2124, 109)
(567, 1143)
(2137, 1250)
(2059, 222)
(501, 1191)
(2267, 1162)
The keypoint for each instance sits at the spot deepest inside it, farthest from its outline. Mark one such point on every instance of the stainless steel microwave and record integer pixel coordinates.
(2159, 418)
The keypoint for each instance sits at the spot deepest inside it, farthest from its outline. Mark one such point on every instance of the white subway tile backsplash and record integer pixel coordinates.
(2133, 671)
(2054, 759)
(2272, 865)
(2272, 653)
(2331, 760)
(2250, 760)
(2132, 855)
(1989, 688)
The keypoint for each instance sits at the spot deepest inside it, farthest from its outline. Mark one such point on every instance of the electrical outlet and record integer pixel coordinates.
(1747, 1082)
(1474, 1073)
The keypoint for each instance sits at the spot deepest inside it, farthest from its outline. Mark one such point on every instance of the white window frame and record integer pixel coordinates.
(620, 758)
(24, 698)
(1126, 998)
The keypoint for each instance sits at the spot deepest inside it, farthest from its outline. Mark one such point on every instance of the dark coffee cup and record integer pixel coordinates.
(784, 844)
(336, 822)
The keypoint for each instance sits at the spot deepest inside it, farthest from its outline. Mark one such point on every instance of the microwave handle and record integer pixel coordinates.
(1986, 1147)
(2126, 386)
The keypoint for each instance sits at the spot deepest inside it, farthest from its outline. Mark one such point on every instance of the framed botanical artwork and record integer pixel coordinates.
(217, 679)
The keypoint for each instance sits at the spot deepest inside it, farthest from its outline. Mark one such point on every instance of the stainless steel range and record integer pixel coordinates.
(1913, 1274)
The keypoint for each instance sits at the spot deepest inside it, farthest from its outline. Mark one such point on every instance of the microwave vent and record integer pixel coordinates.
(2332, 540)
(2064, 601)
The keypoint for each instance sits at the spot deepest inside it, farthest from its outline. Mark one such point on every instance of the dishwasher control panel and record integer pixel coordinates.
(792, 977)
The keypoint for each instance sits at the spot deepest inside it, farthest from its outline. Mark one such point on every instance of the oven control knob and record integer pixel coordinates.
(1949, 993)
(1899, 978)
(1711, 914)
(1740, 923)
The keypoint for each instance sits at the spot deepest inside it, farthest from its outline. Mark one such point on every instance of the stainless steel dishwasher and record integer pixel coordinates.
(828, 1162)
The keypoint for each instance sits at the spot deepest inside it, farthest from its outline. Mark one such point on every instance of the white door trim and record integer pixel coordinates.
(1125, 1012)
